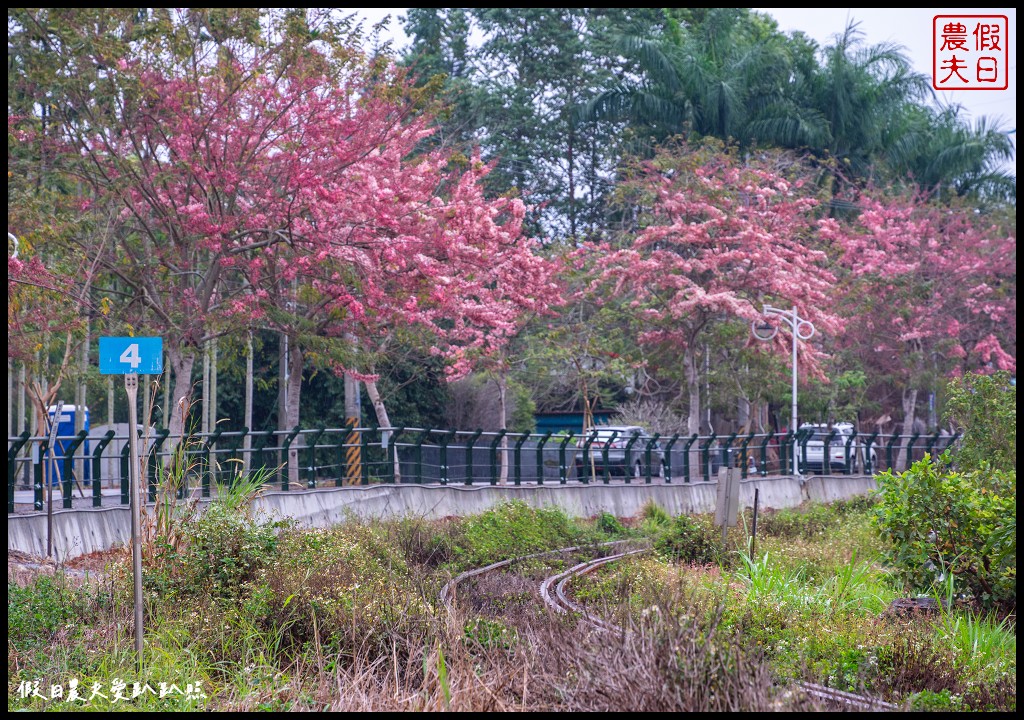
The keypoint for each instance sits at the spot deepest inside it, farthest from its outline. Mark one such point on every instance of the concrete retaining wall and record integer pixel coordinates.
(78, 532)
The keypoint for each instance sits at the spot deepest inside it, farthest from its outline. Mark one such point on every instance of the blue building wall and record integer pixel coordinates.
(568, 421)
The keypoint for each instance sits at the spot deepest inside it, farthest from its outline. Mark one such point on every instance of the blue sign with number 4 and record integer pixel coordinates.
(131, 355)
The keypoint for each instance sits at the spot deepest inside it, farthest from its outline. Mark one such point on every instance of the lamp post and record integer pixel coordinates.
(801, 329)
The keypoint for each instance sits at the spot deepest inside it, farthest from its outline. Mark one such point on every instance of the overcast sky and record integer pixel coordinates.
(909, 27)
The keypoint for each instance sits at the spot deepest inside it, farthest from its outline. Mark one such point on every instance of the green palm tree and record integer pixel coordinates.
(946, 156)
(730, 76)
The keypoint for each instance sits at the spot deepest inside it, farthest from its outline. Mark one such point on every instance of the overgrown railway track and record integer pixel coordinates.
(554, 591)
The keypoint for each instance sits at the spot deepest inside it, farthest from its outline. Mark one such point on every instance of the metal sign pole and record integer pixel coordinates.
(49, 476)
(131, 386)
(131, 357)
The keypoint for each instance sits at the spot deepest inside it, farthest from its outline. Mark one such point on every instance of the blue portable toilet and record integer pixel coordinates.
(65, 435)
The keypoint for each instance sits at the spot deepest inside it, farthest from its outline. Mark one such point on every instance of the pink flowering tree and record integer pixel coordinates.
(414, 249)
(291, 194)
(932, 291)
(722, 238)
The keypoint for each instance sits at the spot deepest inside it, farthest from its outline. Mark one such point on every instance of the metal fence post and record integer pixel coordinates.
(686, 456)
(802, 438)
(910, 450)
(705, 457)
(627, 456)
(562, 469)
(604, 456)
(12, 467)
(787, 451)
(744, 462)
(445, 438)
(868, 465)
(97, 468)
(364, 449)
(647, 455)
(849, 445)
(418, 446)
(826, 452)
(518, 457)
(161, 435)
(124, 472)
(392, 453)
(667, 462)
(69, 466)
(585, 476)
(929, 447)
(888, 451)
(494, 455)
(764, 452)
(470, 442)
(283, 457)
(311, 459)
(207, 469)
(725, 451)
(37, 486)
(540, 457)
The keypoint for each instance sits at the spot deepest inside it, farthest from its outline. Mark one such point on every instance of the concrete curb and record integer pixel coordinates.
(79, 532)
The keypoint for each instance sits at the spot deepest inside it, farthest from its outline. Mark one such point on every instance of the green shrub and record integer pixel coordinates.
(37, 611)
(812, 521)
(984, 408)
(939, 522)
(610, 525)
(514, 528)
(222, 548)
(690, 541)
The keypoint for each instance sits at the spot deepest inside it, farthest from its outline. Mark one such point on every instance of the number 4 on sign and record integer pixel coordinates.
(131, 356)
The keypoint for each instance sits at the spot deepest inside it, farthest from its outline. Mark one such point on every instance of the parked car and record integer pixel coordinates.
(836, 449)
(615, 438)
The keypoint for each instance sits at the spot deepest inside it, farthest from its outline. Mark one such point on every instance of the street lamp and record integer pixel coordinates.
(801, 329)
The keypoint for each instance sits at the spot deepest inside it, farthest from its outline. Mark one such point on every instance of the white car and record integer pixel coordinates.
(837, 451)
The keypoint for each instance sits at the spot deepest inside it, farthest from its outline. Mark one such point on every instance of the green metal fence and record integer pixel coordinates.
(315, 458)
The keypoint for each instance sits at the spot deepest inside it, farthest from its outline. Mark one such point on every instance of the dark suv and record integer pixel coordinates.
(615, 439)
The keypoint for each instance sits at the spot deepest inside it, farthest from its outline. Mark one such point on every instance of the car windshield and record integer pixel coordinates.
(605, 434)
(822, 434)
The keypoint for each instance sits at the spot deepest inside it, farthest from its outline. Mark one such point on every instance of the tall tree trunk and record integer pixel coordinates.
(10, 397)
(502, 383)
(80, 400)
(247, 440)
(206, 429)
(181, 362)
(693, 413)
(909, 410)
(166, 419)
(214, 348)
(288, 400)
(22, 376)
(382, 419)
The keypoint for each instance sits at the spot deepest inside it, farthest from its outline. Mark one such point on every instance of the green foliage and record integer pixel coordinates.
(610, 525)
(488, 633)
(654, 514)
(690, 540)
(940, 522)
(814, 520)
(984, 408)
(514, 528)
(41, 609)
(212, 553)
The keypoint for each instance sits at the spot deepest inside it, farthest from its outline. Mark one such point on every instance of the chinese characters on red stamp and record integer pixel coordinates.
(970, 52)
